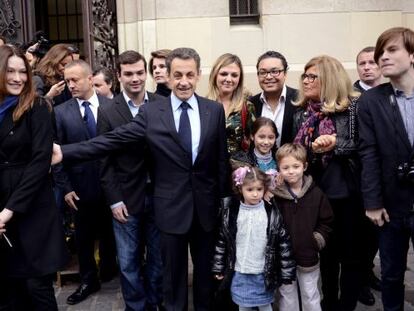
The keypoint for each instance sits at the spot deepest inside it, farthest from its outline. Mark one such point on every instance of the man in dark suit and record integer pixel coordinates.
(103, 82)
(186, 138)
(75, 122)
(386, 119)
(275, 101)
(369, 77)
(124, 180)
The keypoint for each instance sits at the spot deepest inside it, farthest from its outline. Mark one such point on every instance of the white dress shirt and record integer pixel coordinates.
(277, 115)
(94, 104)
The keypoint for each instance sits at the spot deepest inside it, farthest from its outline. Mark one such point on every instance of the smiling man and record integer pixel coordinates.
(185, 134)
(127, 188)
(275, 101)
(368, 70)
(386, 131)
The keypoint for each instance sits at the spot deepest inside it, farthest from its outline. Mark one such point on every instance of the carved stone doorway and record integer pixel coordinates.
(100, 32)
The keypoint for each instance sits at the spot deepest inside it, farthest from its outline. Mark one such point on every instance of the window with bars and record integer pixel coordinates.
(244, 12)
(65, 23)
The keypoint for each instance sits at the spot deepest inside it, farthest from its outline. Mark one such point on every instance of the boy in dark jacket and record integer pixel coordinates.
(308, 217)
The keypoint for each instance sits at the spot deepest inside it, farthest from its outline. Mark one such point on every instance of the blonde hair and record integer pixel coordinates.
(240, 94)
(336, 86)
(297, 151)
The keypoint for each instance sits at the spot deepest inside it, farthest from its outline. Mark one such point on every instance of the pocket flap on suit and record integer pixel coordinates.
(162, 193)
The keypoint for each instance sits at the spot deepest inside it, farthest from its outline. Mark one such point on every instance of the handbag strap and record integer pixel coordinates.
(244, 116)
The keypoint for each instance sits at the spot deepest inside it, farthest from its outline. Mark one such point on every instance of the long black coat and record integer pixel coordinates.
(35, 229)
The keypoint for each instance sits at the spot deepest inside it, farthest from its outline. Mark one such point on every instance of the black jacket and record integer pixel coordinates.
(384, 145)
(83, 178)
(124, 172)
(42, 89)
(182, 189)
(341, 178)
(291, 95)
(280, 268)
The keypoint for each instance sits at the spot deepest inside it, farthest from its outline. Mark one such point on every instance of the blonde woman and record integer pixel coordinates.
(226, 87)
(325, 124)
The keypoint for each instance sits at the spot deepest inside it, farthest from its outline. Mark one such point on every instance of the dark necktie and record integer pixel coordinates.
(89, 119)
(184, 128)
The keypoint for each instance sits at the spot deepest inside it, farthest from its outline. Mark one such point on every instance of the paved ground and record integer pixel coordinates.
(109, 298)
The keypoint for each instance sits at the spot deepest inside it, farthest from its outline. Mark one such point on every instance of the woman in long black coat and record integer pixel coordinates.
(32, 248)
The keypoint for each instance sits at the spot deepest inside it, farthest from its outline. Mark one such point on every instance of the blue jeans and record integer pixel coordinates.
(140, 286)
(393, 245)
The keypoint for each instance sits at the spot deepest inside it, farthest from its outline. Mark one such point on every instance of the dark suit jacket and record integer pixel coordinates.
(287, 128)
(384, 144)
(124, 172)
(35, 229)
(182, 190)
(83, 178)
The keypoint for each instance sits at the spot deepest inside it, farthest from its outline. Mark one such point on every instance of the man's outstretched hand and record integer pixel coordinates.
(57, 155)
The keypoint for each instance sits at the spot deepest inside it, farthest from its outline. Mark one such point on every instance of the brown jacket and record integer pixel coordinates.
(308, 219)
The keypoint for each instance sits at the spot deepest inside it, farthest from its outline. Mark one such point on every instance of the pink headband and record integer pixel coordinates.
(240, 174)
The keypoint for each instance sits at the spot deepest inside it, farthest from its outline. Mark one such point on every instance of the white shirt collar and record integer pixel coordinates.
(176, 102)
(282, 97)
(128, 100)
(365, 86)
(93, 100)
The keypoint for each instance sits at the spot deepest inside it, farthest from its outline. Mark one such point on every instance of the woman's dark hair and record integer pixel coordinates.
(263, 121)
(27, 95)
(157, 54)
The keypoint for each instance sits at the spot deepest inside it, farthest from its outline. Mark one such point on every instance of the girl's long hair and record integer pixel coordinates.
(259, 123)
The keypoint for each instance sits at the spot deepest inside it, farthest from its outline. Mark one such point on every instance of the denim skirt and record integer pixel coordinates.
(248, 290)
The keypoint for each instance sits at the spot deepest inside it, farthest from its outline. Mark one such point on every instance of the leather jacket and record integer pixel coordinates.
(345, 154)
(280, 267)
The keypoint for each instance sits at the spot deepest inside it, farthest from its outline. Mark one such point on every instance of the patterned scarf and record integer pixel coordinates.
(9, 101)
(316, 119)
